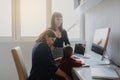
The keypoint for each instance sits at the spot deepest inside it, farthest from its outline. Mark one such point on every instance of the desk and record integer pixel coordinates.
(90, 73)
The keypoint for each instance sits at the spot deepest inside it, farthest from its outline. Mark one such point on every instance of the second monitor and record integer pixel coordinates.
(100, 41)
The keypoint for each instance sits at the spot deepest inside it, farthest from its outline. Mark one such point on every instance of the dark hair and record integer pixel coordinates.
(56, 14)
(67, 51)
(48, 32)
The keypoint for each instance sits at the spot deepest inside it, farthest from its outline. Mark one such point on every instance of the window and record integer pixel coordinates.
(71, 17)
(22, 19)
(33, 17)
(26, 19)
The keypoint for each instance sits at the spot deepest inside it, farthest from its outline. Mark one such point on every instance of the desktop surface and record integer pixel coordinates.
(98, 68)
(92, 59)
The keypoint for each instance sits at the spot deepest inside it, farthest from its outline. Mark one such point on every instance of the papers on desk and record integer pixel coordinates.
(104, 72)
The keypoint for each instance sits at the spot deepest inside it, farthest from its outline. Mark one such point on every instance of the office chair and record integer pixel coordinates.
(18, 59)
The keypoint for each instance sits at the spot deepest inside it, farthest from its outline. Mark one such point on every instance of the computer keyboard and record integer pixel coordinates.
(104, 72)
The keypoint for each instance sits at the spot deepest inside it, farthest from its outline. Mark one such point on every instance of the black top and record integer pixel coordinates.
(64, 39)
(43, 66)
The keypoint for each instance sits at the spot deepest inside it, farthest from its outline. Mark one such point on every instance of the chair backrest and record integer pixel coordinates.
(18, 59)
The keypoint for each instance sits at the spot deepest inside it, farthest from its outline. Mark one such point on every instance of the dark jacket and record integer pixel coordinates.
(64, 39)
(43, 66)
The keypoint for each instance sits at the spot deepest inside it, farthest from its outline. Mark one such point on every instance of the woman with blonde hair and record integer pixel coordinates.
(43, 66)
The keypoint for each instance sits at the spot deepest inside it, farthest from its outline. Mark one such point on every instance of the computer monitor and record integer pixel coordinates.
(100, 41)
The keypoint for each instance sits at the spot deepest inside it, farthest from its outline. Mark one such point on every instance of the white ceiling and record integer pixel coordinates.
(87, 4)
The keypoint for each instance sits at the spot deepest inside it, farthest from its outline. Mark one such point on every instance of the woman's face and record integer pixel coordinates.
(50, 41)
(58, 21)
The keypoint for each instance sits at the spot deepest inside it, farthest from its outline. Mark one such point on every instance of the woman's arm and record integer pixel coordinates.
(63, 74)
(76, 62)
(65, 37)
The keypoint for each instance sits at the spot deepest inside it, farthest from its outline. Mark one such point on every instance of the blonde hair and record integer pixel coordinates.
(42, 36)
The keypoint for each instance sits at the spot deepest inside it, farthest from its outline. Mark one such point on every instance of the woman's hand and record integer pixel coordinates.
(68, 78)
(63, 74)
(74, 57)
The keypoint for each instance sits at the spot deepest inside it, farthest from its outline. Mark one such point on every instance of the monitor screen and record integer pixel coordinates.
(100, 40)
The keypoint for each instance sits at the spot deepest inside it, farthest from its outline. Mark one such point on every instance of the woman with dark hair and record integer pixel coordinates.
(43, 66)
(61, 34)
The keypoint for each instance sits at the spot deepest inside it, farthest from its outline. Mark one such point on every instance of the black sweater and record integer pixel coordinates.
(43, 66)
(60, 41)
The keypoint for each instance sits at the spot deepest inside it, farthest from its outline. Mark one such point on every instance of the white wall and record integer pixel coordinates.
(105, 14)
(7, 66)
